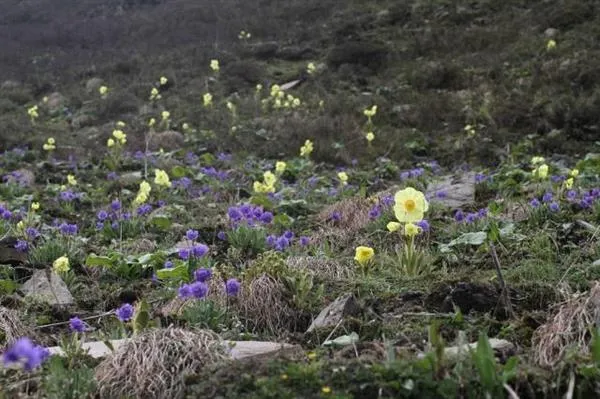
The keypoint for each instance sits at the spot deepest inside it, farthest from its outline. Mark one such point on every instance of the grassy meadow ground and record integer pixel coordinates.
(195, 173)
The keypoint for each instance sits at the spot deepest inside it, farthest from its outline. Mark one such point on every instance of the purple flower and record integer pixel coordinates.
(67, 196)
(441, 194)
(160, 203)
(554, 207)
(471, 217)
(234, 214)
(7, 215)
(99, 226)
(459, 216)
(184, 253)
(144, 209)
(125, 312)
(289, 235)
(557, 179)
(224, 157)
(32, 233)
(168, 264)
(191, 235)
(424, 225)
(232, 287)
(281, 243)
(483, 212)
(112, 176)
(126, 215)
(375, 212)
(185, 291)
(266, 217)
(335, 216)
(68, 229)
(115, 205)
(271, 240)
(22, 246)
(571, 195)
(199, 250)
(547, 197)
(535, 203)
(102, 215)
(222, 236)
(25, 352)
(203, 275)
(480, 178)
(77, 325)
(198, 289)
(304, 241)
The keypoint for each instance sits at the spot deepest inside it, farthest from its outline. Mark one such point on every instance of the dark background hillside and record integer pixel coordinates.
(432, 66)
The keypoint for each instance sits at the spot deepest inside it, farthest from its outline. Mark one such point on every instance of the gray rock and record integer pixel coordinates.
(93, 84)
(168, 141)
(56, 102)
(343, 306)
(48, 287)
(22, 177)
(551, 33)
(454, 192)
(237, 349)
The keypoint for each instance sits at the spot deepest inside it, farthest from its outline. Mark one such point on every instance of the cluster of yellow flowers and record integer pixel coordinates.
(243, 35)
(343, 176)
(155, 94)
(470, 130)
(119, 137)
(49, 145)
(267, 185)
(71, 180)
(306, 149)
(551, 45)
(214, 65)
(33, 113)
(207, 99)
(143, 193)
(280, 167)
(279, 98)
(163, 80)
(370, 113)
(311, 68)
(35, 206)
(61, 265)
(161, 178)
(103, 90)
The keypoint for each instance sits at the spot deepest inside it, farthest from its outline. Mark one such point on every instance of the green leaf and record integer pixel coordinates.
(176, 273)
(510, 369)
(344, 340)
(485, 362)
(7, 287)
(283, 220)
(95, 260)
(595, 346)
(161, 221)
(207, 158)
(261, 200)
(141, 319)
(178, 172)
(473, 238)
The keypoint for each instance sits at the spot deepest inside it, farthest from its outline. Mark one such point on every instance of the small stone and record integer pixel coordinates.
(454, 192)
(48, 287)
(335, 312)
(551, 33)
(168, 141)
(93, 84)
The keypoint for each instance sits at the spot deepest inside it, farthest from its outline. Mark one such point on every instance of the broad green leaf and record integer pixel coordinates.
(344, 340)
(178, 172)
(161, 221)
(95, 260)
(175, 273)
(7, 287)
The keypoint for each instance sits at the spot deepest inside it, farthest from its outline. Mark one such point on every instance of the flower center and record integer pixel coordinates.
(410, 205)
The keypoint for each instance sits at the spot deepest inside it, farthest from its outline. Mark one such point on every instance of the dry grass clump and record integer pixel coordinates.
(155, 363)
(354, 214)
(11, 327)
(326, 269)
(263, 305)
(570, 327)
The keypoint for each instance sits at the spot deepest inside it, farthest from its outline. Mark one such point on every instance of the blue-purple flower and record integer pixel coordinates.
(232, 287)
(25, 353)
(77, 325)
(125, 312)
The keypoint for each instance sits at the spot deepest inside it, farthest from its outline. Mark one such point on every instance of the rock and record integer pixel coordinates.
(93, 84)
(454, 192)
(168, 141)
(49, 287)
(343, 306)
(82, 120)
(9, 254)
(56, 102)
(453, 352)
(290, 85)
(551, 33)
(22, 177)
(131, 178)
(237, 349)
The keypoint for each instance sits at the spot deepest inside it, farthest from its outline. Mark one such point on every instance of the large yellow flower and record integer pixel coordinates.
(161, 178)
(410, 205)
(411, 230)
(364, 255)
(61, 265)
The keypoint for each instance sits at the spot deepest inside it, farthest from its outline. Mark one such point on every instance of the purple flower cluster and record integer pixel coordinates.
(77, 325)
(210, 171)
(196, 251)
(22, 246)
(15, 177)
(249, 215)
(203, 275)
(5, 213)
(68, 229)
(470, 217)
(232, 287)
(25, 353)
(125, 312)
(196, 290)
(284, 241)
(69, 196)
(412, 173)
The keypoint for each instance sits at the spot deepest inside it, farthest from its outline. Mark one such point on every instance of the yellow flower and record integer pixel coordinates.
(51, 141)
(541, 171)
(207, 99)
(569, 183)
(103, 90)
(551, 44)
(370, 112)
(410, 205)
(306, 149)
(120, 136)
(311, 68)
(296, 102)
(20, 225)
(165, 115)
(343, 176)
(45, 99)
(151, 122)
(33, 112)
(110, 142)
(275, 90)
(61, 265)
(214, 65)
(370, 136)
(326, 390)
(161, 178)
(155, 94)
(48, 147)
(143, 193)
(411, 230)
(269, 178)
(574, 173)
(259, 87)
(35, 206)
(71, 180)
(393, 226)
(537, 160)
(163, 80)
(284, 377)
(312, 355)
(280, 167)
(321, 104)
(363, 255)
(121, 124)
